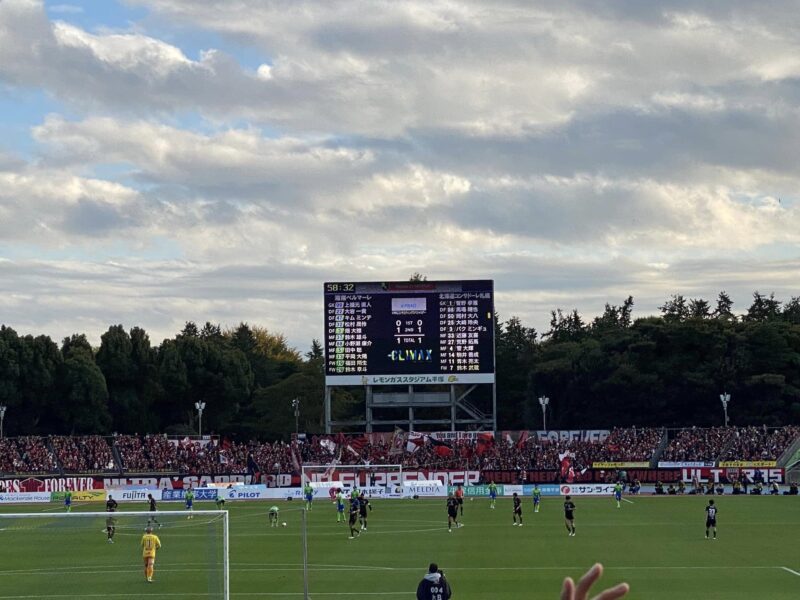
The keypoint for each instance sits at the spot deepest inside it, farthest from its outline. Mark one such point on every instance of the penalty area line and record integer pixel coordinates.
(628, 501)
(792, 571)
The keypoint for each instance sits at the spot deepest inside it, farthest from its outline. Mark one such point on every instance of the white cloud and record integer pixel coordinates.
(576, 155)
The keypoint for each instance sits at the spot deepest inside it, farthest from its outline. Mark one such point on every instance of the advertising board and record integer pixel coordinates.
(25, 497)
(591, 489)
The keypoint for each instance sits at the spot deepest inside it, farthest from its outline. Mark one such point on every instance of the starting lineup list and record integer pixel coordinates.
(409, 332)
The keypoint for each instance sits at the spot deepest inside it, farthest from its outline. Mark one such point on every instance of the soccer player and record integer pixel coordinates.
(517, 509)
(220, 502)
(273, 516)
(151, 518)
(569, 515)
(452, 513)
(190, 502)
(460, 498)
(354, 532)
(340, 506)
(618, 493)
(111, 522)
(308, 492)
(492, 494)
(150, 543)
(363, 504)
(68, 501)
(537, 497)
(711, 518)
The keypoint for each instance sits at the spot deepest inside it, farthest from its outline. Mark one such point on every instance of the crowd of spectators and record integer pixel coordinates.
(131, 451)
(152, 453)
(698, 445)
(27, 454)
(83, 454)
(759, 443)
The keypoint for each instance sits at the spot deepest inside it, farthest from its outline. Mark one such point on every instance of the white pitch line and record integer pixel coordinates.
(628, 501)
(792, 571)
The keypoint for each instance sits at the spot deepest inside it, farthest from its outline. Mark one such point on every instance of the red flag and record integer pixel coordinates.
(441, 448)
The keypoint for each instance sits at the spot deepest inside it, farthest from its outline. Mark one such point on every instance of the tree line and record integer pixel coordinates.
(664, 370)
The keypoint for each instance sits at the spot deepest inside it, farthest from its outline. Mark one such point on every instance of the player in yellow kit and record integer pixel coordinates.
(150, 543)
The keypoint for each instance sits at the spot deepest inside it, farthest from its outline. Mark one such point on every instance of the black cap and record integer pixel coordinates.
(433, 568)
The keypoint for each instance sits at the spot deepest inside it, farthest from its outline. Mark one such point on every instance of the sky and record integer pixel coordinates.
(217, 160)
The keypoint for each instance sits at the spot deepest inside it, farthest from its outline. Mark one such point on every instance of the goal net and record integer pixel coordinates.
(373, 480)
(68, 555)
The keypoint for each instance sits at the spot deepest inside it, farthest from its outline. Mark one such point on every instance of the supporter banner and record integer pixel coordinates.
(452, 436)
(475, 490)
(620, 465)
(578, 489)
(748, 463)
(731, 474)
(683, 465)
(392, 478)
(170, 481)
(578, 435)
(51, 484)
(81, 496)
(546, 490)
(589, 476)
(25, 498)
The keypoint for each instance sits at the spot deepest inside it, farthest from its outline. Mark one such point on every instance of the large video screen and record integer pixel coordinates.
(409, 332)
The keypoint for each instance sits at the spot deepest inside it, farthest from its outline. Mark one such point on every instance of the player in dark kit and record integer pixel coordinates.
(517, 510)
(354, 532)
(152, 517)
(452, 513)
(569, 515)
(363, 504)
(711, 518)
(111, 522)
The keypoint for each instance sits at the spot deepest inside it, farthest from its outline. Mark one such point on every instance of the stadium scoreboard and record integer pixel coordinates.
(409, 332)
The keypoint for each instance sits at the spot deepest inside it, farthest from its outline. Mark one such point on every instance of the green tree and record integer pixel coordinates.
(83, 408)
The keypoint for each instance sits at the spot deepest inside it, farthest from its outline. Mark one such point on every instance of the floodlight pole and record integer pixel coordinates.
(200, 406)
(3, 409)
(725, 398)
(544, 401)
(296, 407)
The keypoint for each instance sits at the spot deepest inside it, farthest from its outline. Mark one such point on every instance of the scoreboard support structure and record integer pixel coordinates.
(461, 412)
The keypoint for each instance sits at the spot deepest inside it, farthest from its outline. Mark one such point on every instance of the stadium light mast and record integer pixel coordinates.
(725, 397)
(2, 418)
(544, 401)
(200, 406)
(296, 407)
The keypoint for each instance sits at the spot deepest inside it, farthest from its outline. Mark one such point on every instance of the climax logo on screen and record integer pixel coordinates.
(408, 355)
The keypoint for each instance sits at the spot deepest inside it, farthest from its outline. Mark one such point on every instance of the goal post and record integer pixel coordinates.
(62, 555)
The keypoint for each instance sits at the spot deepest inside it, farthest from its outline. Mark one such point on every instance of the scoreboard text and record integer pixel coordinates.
(411, 332)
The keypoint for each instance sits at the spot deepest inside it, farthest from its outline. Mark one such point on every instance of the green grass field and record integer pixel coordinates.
(655, 544)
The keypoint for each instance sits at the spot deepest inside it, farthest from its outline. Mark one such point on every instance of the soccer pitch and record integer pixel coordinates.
(655, 544)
